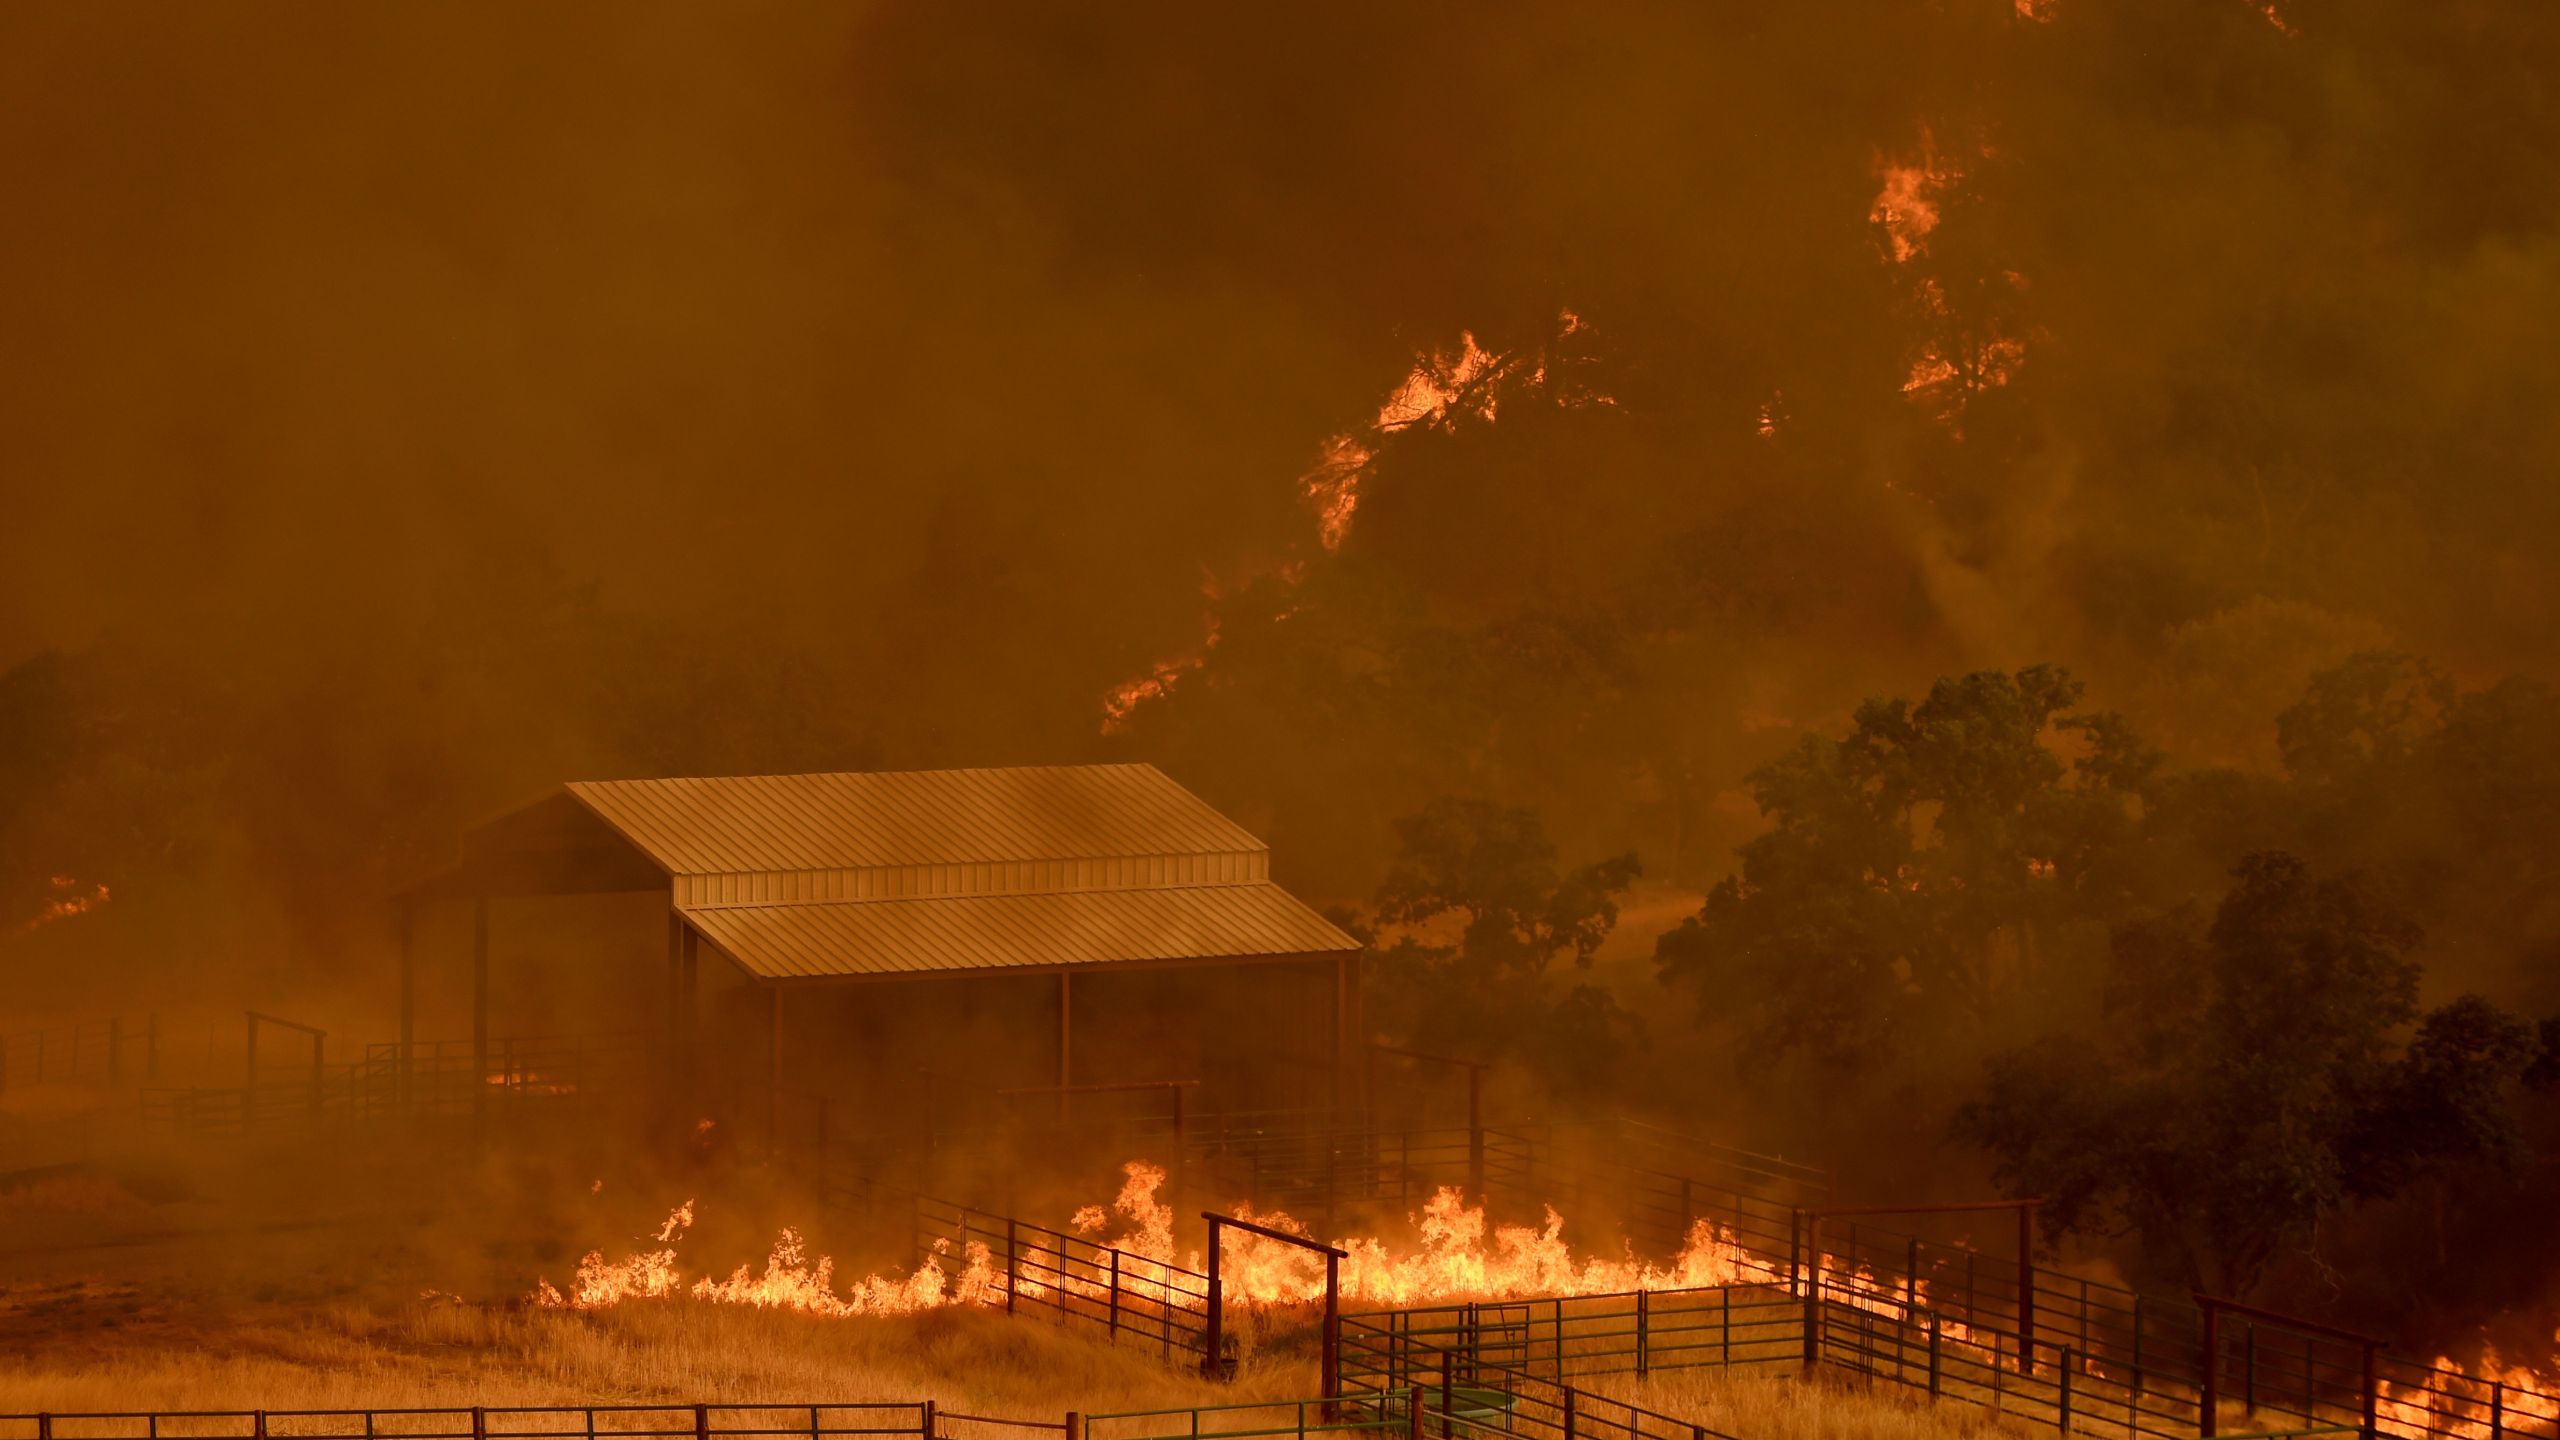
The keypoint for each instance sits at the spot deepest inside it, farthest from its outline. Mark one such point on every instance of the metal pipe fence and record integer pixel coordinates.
(109, 1051)
(1036, 1270)
(530, 1422)
(1629, 1333)
(1239, 1422)
(425, 1078)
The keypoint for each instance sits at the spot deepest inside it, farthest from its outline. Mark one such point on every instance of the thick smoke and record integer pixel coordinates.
(406, 408)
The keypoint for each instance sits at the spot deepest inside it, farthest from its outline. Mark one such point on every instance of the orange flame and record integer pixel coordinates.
(67, 898)
(1444, 388)
(789, 1281)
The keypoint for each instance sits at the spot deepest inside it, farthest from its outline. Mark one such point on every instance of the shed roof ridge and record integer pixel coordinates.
(818, 902)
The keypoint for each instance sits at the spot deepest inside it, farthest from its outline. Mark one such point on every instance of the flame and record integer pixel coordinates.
(1445, 387)
(789, 1281)
(2039, 11)
(1907, 204)
(67, 898)
(2524, 1397)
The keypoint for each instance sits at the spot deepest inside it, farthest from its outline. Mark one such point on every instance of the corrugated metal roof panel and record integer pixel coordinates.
(1001, 932)
(750, 823)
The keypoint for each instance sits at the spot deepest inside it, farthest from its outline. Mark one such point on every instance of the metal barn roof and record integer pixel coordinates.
(764, 823)
(982, 933)
(949, 871)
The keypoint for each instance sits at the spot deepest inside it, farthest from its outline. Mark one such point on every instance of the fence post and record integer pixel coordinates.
(1075, 1426)
(1644, 1313)
(924, 1423)
(44, 1425)
(1012, 1263)
(2137, 1343)
(2027, 1289)
(701, 1423)
(1724, 1326)
(2497, 1410)
(1933, 1355)
(1115, 1293)
(480, 1422)
(1813, 1289)
(1413, 1413)
(1569, 1393)
(1444, 1392)
(2211, 1399)
(2249, 1372)
(2372, 1390)
(1216, 1301)
(258, 1423)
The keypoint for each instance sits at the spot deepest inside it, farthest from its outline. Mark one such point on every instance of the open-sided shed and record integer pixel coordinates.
(819, 883)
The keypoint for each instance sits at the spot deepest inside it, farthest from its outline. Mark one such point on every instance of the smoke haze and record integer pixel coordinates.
(407, 407)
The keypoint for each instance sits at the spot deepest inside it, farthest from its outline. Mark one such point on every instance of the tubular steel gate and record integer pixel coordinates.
(1034, 1270)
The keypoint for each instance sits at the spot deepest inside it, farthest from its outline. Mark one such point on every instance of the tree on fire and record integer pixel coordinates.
(2245, 1084)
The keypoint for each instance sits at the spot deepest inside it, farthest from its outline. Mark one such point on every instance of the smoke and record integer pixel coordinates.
(407, 408)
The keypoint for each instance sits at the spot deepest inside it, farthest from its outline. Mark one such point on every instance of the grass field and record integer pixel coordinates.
(341, 1277)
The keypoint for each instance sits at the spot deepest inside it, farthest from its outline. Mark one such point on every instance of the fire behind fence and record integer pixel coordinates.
(2248, 1376)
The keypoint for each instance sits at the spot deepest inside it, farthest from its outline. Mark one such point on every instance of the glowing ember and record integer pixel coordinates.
(1907, 205)
(65, 898)
(789, 1281)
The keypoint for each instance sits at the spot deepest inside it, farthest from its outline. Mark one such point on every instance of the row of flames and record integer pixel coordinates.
(1453, 1252)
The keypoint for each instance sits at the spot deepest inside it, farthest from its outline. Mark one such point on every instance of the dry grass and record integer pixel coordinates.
(449, 1353)
(293, 1280)
(1778, 1403)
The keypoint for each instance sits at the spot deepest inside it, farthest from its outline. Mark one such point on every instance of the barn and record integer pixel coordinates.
(876, 937)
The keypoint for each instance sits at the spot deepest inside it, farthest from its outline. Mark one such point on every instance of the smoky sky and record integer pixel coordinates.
(931, 368)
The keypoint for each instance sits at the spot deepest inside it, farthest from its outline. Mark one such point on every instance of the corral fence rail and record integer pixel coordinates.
(1630, 1333)
(112, 1050)
(1243, 1421)
(817, 1421)
(1037, 1270)
(423, 1078)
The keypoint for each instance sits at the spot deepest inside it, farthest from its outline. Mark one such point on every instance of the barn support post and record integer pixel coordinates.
(689, 1007)
(773, 1067)
(1475, 1131)
(1066, 1035)
(404, 920)
(479, 1009)
(672, 1016)
(1341, 1036)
